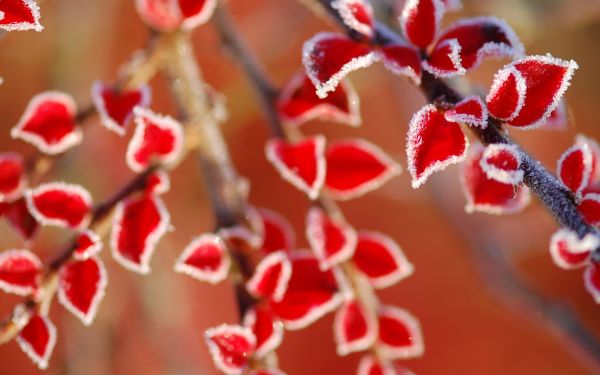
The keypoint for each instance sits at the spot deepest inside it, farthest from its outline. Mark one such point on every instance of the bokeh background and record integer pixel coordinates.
(485, 290)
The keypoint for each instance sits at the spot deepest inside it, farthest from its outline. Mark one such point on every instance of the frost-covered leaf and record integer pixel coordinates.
(88, 244)
(37, 339)
(329, 57)
(433, 143)
(20, 15)
(445, 60)
(158, 182)
(157, 139)
(354, 328)
(589, 208)
(311, 293)
(507, 94)
(196, 12)
(403, 60)
(380, 259)
(591, 279)
(298, 103)
(20, 219)
(60, 204)
(49, 123)
(81, 286)
(575, 168)
(501, 163)
(356, 14)
(302, 164)
(20, 272)
(266, 327)
(278, 233)
(332, 241)
(355, 167)
(471, 111)
(115, 106)
(399, 333)
(231, 347)
(486, 195)
(138, 224)
(593, 146)
(168, 15)
(568, 251)
(420, 21)
(271, 277)
(205, 258)
(12, 176)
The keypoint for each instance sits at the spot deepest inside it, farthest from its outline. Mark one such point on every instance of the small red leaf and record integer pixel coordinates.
(381, 259)
(231, 347)
(88, 245)
(568, 251)
(433, 144)
(501, 162)
(18, 216)
(302, 164)
(403, 60)
(332, 242)
(205, 258)
(369, 365)
(271, 277)
(266, 327)
(81, 287)
(329, 57)
(49, 123)
(157, 139)
(470, 111)
(507, 94)
(278, 233)
(168, 15)
(311, 293)
(116, 106)
(37, 339)
(298, 103)
(420, 21)
(196, 12)
(12, 176)
(487, 195)
(589, 207)
(158, 183)
(356, 167)
(445, 61)
(20, 271)
(20, 15)
(60, 204)
(593, 146)
(138, 224)
(354, 328)
(399, 333)
(356, 14)
(575, 168)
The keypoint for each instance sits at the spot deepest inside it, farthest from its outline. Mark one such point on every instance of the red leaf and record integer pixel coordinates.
(20, 271)
(81, 287)
(487, 195)
(589, 207)
(369, 365)
(591, 279)
(311, 293)
(332, 242)
(445, 60)
(298, 103)
(138, 224)
(433, 144)
(231, 347)
(501, 162)
(470, 111)
(403, 60)
(168, 15)
(196, 12)
(354, 328)
(157, 139)
(60, 204)
(49, 123)
(20, 15)
(271, 277)
(266, 327)
(38, 339)
(546, 79)
(115, 106)
(581, 140)
(356, 14)
(329, 57)
(158, 183)
(399, 334)
(568, 251)
(575, 168)
(302, 164)
(380, 259)
(12, 176)
(479, 38)
(278, 233)
(88, 245)
(205, 258)
(420, 21)
(355, 167)
(507, 94)
(19, 217)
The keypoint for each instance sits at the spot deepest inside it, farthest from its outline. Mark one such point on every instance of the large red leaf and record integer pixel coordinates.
(20, 15)
(60, 204)
(20, 272)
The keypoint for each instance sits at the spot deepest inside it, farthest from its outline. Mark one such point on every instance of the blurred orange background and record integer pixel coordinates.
(474, 319)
